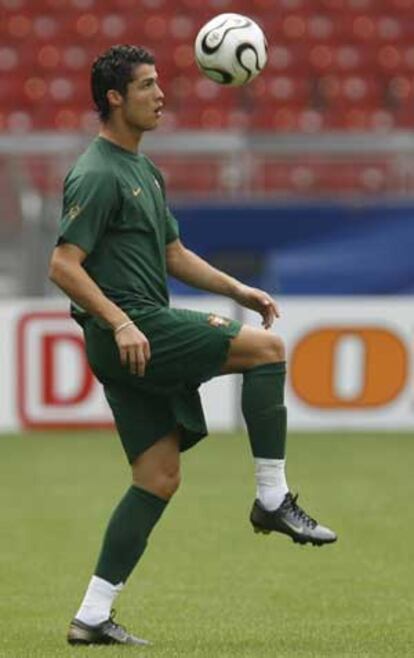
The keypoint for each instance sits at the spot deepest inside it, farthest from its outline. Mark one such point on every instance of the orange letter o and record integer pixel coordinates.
(313, 363)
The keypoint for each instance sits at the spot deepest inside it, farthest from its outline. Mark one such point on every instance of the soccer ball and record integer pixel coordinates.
(231, 49)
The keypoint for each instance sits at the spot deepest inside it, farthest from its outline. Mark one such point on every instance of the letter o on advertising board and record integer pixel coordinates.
(383, 366)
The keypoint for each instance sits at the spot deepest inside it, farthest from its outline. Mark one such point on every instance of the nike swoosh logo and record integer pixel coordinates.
(295, 528)
(137, 191)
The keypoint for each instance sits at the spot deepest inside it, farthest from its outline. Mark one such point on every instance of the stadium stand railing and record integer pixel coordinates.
(201, 168)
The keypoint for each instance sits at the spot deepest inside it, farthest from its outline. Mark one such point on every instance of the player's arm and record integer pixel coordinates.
(185, 265)
(67, 272)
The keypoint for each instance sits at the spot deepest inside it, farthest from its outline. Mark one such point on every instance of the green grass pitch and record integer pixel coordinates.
(208, 586)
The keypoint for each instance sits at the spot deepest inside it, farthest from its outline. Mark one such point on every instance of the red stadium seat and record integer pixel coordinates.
(182, 27)
(277, 89)
(9, 59)
(404, 118)
(282, 118)
(18, 121)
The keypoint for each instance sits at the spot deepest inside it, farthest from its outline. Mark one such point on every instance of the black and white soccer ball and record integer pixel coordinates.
(231, 49)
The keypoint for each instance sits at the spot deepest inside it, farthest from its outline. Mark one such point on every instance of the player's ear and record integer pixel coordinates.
(115, 99)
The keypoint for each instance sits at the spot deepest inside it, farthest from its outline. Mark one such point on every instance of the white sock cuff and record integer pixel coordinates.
(261, 461)
(104, 586)
(269, 470)
(270, 482)
(97, 602)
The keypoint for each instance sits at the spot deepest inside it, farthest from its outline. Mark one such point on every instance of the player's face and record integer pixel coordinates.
(144, 100)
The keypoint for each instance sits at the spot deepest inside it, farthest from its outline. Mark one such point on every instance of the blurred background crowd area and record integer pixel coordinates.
(301, 181)
(333, 64)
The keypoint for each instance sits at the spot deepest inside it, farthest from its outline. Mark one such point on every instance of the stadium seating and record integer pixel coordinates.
(335, 64)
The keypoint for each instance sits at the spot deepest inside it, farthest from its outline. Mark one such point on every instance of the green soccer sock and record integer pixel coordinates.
(127, 534)
(264, 410)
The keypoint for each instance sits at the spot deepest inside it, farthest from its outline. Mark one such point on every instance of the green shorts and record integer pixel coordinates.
(187, 349)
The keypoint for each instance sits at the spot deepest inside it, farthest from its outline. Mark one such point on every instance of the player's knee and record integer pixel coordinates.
(273, 350)
(278, 348)
(167, 482)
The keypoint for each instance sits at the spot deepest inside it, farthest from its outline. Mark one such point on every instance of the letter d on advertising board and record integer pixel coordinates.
(55, 385)
(52, 395)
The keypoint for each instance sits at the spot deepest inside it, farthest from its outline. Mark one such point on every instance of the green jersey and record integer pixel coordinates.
(114, 209)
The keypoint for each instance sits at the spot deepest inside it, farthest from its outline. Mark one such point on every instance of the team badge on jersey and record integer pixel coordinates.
(217, 321)
(74, 211)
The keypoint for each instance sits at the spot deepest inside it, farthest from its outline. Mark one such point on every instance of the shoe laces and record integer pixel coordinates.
(298, 512)
(112, 621)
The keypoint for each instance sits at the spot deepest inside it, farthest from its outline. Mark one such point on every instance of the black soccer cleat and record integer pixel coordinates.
(291, 520)
(108, 632)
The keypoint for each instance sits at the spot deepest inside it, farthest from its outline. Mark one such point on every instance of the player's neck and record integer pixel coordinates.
(121, 137)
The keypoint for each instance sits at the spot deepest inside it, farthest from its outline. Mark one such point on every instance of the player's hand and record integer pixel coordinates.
(134, 349)
(260, 301)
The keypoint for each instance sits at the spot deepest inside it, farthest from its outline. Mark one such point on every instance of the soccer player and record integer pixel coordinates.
(117, 243)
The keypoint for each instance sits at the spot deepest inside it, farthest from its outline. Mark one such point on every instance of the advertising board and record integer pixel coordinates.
(350, 365)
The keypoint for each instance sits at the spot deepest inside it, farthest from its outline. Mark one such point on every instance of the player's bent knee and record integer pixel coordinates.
(271, 350)
(254, 347)
(277, 351)
(163, 483)
(169, 484)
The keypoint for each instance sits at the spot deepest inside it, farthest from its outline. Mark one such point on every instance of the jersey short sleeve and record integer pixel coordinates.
(90, 201)
(172, 232)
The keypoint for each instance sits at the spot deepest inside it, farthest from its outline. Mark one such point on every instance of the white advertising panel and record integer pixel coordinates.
(350, 365)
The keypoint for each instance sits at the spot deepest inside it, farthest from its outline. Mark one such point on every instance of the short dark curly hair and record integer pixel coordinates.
(114, 70)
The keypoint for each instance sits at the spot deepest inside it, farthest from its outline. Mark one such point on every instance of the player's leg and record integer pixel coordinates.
(260, 357)
(155, 478)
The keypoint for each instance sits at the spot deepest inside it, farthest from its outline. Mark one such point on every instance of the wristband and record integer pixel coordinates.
(124, 325)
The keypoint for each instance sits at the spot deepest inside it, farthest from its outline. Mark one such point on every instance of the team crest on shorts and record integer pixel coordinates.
(217, 321)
